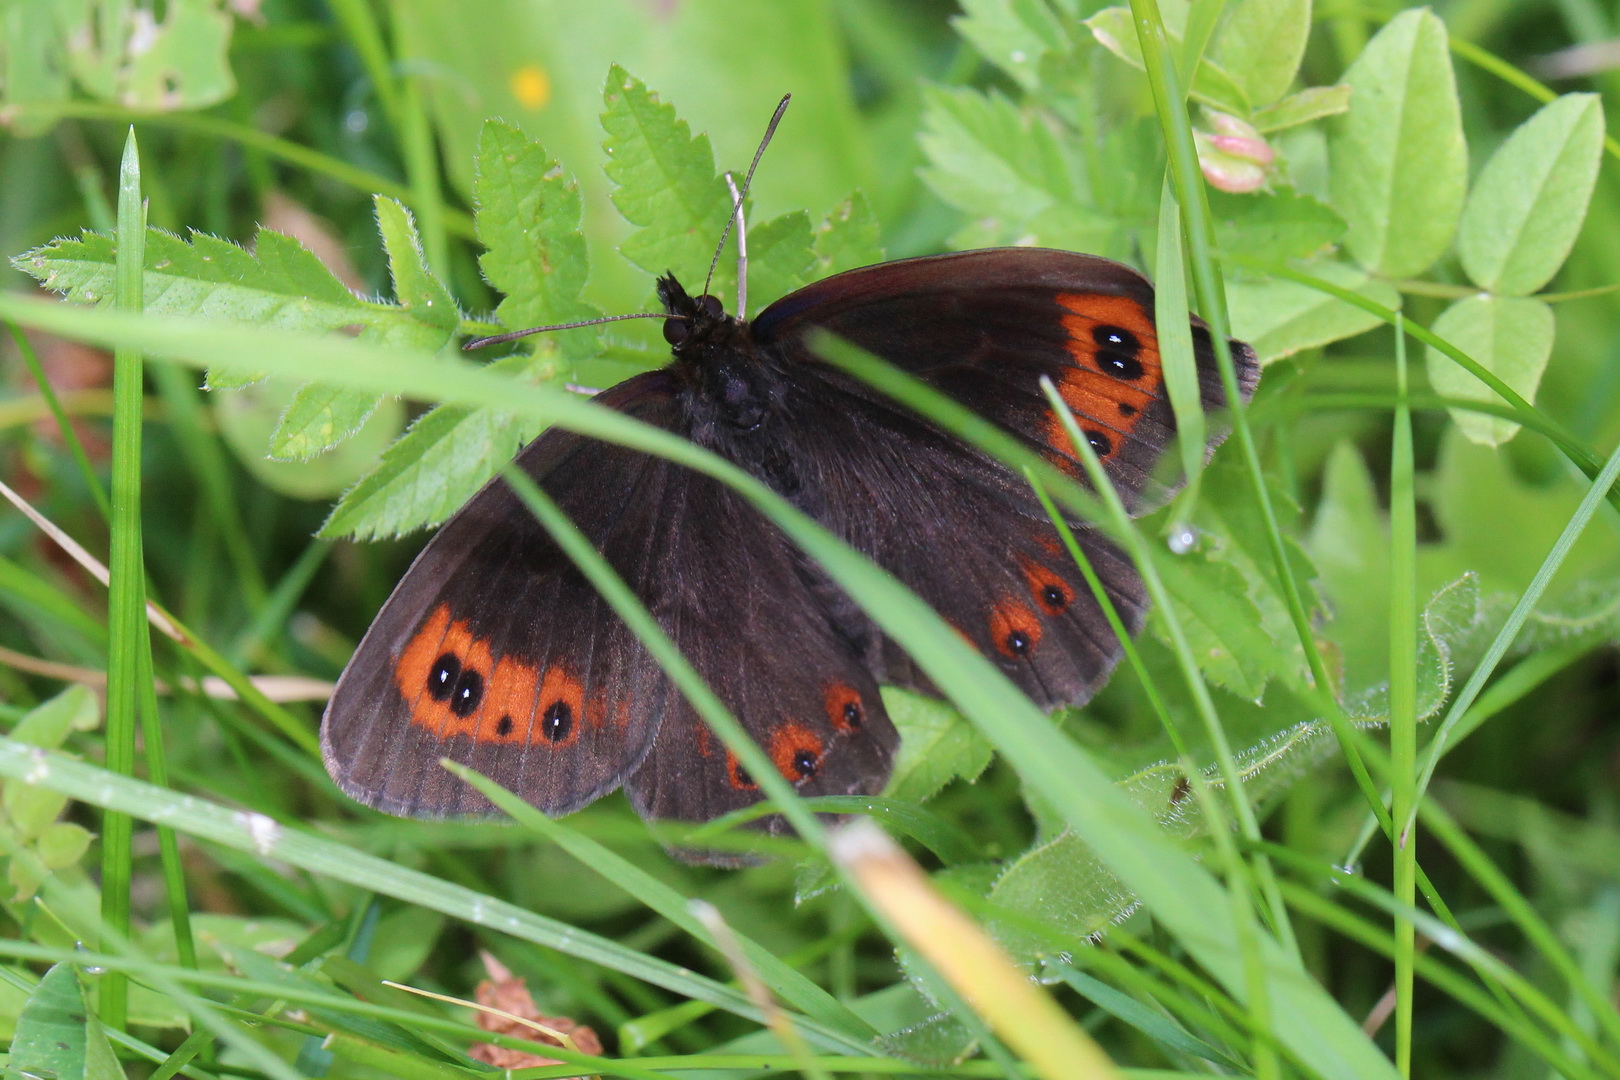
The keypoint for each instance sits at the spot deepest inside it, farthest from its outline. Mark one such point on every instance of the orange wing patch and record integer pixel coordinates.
(795, 751)
(1014, 628)
(561, 709)
(1052, 594)
(844, 707)
(454, 686)
(1116, 375)
(508, 708)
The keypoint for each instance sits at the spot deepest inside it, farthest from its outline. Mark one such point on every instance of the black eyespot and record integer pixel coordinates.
(1119, 365)
(711, 306)
(1115, 339)
(557, 721)
(467, 693)
(503, 727)
(1054, 597)
(852, 714)
(1099, 442)
(442, 677)
(1127, 409)
(742, 776)
(1018, 643)
(804, 763)
(676, 331)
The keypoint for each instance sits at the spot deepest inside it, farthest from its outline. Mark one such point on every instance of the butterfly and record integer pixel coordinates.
(495, 652)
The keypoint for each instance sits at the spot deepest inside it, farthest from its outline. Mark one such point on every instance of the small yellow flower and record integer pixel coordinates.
(531, 86)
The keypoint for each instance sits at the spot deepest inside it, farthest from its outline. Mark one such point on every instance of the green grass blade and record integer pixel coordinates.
(263, 838)
(1403, 719)
(127, 629)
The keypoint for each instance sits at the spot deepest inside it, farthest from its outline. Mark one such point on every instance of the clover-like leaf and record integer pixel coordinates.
(1527, 205)
(1511, 337)
(1400, 163)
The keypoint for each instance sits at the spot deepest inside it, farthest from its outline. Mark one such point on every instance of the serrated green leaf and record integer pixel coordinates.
(1312, 103)
(1400, 163)
(1015, 36)
(780, 258)
(1062, 883)
(847, 237)
(1261, 43)
(318, 418)
(936, 746)
(247, 418)
(1008, 169)
(1280, 225)
(1213, 85)
(415, 287)
(280, 285)
(435, 467)
(1279, 318)
(1233, 531)
(665, 183)
(1528, 203)
(58, 1036)
(529, 223)
(1510, 336)
(1221, 623)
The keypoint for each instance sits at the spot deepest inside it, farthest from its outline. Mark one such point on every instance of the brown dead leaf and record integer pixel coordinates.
(506, 992)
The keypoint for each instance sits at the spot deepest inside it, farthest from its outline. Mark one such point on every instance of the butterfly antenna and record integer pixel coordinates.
(479, 343)
(737, 200)
(742, 252)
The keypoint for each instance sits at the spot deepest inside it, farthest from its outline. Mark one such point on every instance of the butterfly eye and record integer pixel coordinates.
(676, 331)
(711, 306)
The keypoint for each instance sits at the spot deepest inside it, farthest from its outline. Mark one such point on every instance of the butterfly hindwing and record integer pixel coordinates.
(756, 624)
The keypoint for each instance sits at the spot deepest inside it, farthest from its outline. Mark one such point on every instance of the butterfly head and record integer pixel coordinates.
(692, 321)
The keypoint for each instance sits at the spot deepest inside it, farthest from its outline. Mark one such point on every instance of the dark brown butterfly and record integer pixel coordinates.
(494, 651)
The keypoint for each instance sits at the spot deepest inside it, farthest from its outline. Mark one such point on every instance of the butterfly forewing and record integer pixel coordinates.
(985, 326)
(963, 531)
(494, 651)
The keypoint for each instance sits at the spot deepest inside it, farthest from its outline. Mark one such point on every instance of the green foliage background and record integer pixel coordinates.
(1200, 833)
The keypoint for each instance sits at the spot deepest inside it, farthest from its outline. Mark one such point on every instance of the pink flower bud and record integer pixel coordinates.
(1237, 157)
